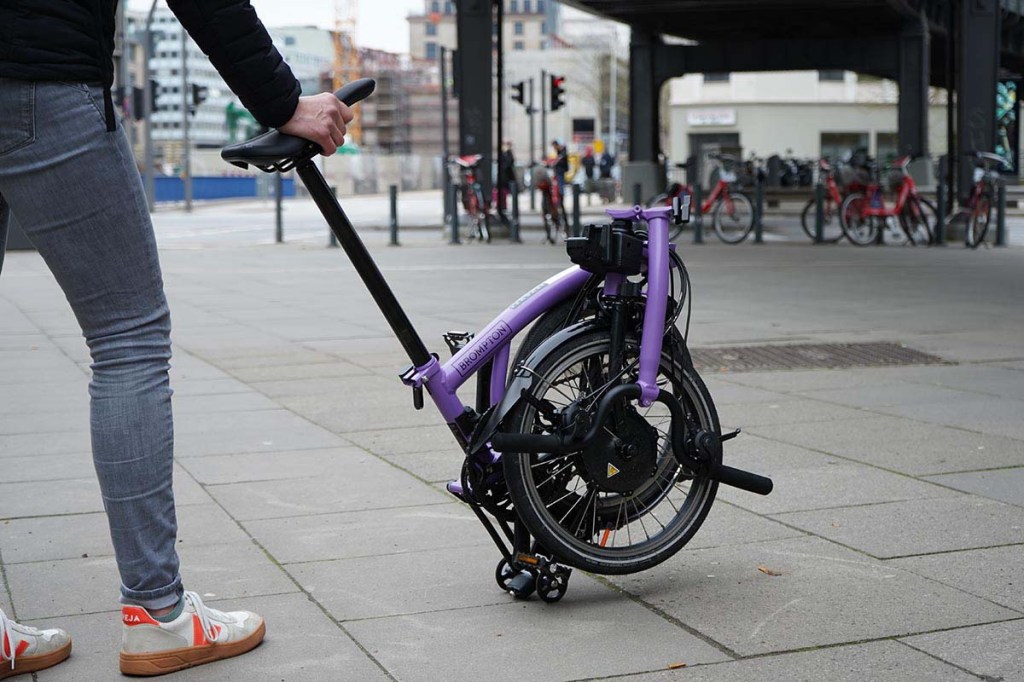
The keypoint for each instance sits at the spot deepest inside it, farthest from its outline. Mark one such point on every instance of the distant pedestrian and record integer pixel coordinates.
(589, 163)
(607, 163)
(68, 174)
(506, 174)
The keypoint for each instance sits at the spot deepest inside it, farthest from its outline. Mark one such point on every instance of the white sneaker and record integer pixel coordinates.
(25, 650)
(198, 635)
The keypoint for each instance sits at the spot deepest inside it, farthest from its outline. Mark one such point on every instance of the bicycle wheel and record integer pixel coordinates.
(569, 502)
(981, 216)
(860, 229)
(733, 218)
(918, 219)
(658, 200)
(832, 228)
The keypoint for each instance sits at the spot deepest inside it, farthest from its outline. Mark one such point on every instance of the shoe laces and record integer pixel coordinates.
(7, 636)
(204, 612)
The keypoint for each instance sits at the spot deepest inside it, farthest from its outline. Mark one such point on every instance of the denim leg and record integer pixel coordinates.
(5, 214)
(78, 196)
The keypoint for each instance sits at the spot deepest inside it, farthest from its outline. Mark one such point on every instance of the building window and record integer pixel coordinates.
(431, 50)
(841, 145)
(515, 6)
(832, 76)
(289, 40)
(518, 46)
(435, 6)
(526, 6)
(447, 8)
(540, 6)
(716, 78)
(431, 29)
(519, 28)
(544, 28)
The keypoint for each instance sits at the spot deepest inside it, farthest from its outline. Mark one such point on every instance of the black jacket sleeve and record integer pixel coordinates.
(234, 39)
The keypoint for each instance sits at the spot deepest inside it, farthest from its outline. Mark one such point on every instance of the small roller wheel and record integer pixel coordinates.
(522, 585)
(551, 588)
(503, 575)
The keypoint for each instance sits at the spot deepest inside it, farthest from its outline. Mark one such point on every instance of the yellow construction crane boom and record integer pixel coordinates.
(346, 52)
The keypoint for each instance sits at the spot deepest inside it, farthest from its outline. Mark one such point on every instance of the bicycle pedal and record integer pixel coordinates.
(730, 436)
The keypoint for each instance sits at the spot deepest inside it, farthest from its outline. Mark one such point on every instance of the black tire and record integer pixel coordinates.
(860, 229)
(832, 228)
(657, 200)
(579, 547)
(977, 226)
(918, 219)
(733, 224)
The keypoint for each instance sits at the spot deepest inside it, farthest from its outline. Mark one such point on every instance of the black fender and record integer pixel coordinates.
(524, 378)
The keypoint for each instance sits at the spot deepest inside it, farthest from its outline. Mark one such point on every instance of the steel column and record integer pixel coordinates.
(475, 25)
(915, 58)
(978, 62)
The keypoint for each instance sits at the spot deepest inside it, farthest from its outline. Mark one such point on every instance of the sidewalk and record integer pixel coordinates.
(311, 491)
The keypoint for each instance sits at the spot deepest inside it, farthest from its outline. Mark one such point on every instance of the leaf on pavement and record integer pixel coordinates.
(767, 571)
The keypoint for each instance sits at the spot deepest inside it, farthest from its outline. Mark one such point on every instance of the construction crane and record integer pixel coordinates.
(346, 52)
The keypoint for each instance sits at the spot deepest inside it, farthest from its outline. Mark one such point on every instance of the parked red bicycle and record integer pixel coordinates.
(865, 214)
(479, 225)
(732, 212)
(852, 180)
(552, 211)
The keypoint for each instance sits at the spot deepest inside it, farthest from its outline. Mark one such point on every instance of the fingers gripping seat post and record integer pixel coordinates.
(278, 152)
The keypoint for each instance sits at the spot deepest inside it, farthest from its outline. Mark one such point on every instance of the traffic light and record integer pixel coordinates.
(557, 92)
(199, 95)
(519, 93)
(138, 104)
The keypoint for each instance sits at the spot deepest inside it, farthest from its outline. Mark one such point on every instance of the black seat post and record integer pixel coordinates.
(363, 262)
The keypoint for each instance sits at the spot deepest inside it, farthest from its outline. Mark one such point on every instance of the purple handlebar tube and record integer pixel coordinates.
(657, 294)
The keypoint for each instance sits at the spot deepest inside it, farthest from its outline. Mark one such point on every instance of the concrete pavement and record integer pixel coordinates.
(311, 491)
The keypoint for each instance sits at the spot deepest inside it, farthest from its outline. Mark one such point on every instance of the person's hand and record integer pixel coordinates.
(321, 118)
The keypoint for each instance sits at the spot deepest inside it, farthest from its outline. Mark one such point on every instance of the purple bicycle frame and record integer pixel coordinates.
(442, 381)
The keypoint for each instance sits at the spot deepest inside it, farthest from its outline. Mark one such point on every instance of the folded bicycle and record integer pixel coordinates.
(601, 448)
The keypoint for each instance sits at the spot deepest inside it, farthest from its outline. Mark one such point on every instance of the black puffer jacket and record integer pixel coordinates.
(46, 40)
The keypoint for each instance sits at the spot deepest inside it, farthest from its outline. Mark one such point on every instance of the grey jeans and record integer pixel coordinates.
(77, 194)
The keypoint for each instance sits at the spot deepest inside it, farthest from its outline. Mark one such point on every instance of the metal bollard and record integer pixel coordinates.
(332, 240)
(758, 209)
(819, 213)
(576, 227)
(698, 215)
(513, 234)
(940, 201)
(638, 192)
(278, 208)
(393, 191)
(455, 215)
(1001, 216)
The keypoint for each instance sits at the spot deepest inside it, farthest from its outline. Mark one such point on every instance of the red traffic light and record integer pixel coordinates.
(557, 92)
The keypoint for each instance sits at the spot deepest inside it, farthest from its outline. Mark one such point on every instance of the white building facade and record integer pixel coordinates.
(805, 114)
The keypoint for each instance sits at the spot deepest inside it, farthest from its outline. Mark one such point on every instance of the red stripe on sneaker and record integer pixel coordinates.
(136, 615)
(198, 636)
(5, 652)
(22, 647)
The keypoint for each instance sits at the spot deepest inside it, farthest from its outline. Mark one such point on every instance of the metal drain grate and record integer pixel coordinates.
(808, 356)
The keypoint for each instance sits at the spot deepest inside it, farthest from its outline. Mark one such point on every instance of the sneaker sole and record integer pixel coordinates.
(163, 662)
(31, 664)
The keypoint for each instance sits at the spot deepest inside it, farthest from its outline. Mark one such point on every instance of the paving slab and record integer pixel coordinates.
(825, 595)
(998, 416)
(834, 484)
(913, 527)
(88, 535)
(872, 661)
(369, 483)
(268, 466)
(891, 395)
(531, 640)
(789, 411)
(242, 432)
(999, 484)
(369, 533)
(185, 405)
(994, 651)
(75, 586)
(995, 574)
(403, 440)
(31, 444)
(47, 467)
(903, 445)
(301, 644)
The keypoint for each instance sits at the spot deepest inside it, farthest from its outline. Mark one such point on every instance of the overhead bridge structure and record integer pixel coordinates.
(965, 45)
